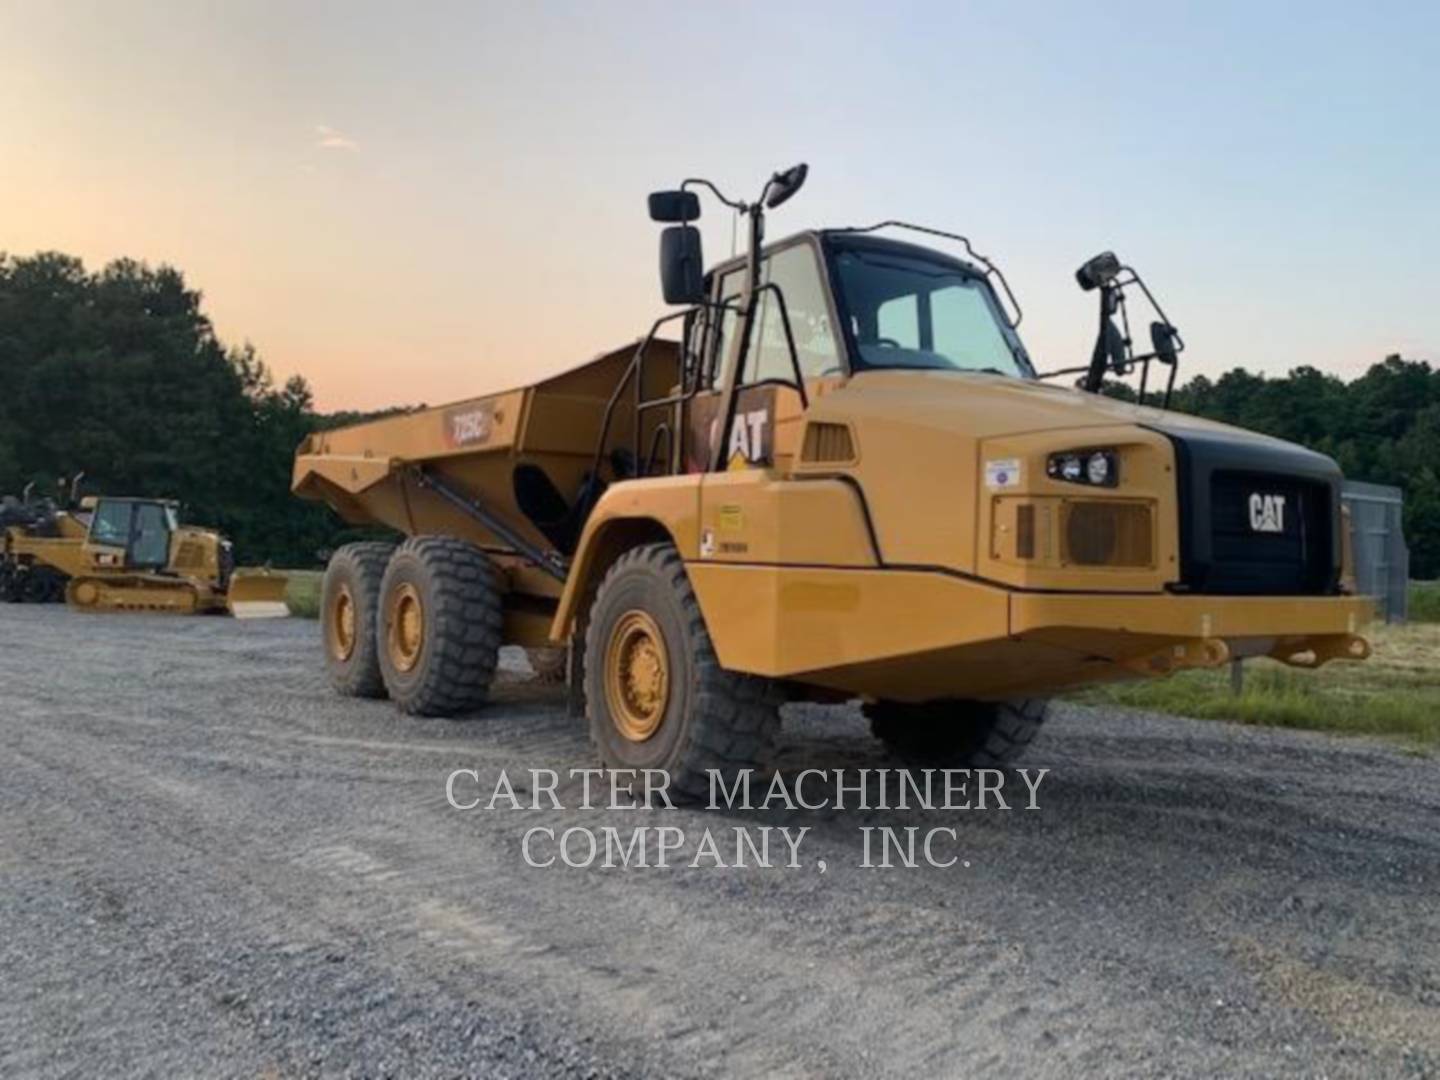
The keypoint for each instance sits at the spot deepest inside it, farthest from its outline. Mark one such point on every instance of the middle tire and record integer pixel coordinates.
(439, 625)
(656, 697)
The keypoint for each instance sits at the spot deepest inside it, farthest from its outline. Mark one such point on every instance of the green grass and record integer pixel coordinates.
(302, 593)
(1425, 601)
(1395, 693)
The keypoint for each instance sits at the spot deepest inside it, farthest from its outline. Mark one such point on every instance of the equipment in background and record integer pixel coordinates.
(125, 554)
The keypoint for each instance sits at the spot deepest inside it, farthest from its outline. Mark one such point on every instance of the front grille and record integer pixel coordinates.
(1108, 533)
(1218, 472)
(1269, 534)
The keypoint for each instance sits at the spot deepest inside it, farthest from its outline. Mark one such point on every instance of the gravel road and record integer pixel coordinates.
(209, 865)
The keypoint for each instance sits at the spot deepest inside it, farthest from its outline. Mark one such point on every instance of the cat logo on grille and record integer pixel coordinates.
(1267, 513)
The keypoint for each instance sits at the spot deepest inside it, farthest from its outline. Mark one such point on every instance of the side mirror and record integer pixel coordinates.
(1102, 268)
(682, 265)
(1162, 342)
(784, 184)
(674, 206)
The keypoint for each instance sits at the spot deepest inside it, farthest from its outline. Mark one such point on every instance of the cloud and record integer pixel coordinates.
(327, 138)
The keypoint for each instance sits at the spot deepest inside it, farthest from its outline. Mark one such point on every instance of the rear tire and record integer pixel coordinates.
(349, 607)
(959, 734)
(656, 697)
(438, 626)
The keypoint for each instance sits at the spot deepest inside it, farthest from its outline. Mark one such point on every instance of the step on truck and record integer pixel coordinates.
(831, 472)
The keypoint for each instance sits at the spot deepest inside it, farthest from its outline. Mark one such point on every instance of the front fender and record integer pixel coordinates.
(654, 510)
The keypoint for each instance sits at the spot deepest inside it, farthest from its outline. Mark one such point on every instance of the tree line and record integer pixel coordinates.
(119, 373)
(1383, 427)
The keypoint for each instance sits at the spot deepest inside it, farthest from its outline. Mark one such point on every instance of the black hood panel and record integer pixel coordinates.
(1258, 517)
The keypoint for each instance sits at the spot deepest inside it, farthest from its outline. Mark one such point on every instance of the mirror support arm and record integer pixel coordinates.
(1100, 355)
(748, 305)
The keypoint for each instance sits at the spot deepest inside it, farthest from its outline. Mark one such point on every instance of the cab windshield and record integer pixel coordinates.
(910, 312)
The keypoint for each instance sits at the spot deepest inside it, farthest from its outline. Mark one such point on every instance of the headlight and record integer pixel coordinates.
(1097, 468)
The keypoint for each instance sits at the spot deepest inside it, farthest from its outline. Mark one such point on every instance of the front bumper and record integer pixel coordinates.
(1196, 631)
(914, 635)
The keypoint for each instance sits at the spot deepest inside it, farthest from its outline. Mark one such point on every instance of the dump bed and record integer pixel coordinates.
(521, 454)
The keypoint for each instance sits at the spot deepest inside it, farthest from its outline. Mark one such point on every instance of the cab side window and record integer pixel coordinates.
(726, 322)
(152, 537)
(111, 524)
(796, 273)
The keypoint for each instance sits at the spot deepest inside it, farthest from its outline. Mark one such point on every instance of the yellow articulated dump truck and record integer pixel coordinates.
(840, 476)
(127, 554)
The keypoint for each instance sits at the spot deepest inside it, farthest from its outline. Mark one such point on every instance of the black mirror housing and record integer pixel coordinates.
(682, 265)
(1097, 271)
(1162, 342)
(784, 184)
(674, 206)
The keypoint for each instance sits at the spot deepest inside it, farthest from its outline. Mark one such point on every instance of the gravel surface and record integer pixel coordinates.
(209, 865)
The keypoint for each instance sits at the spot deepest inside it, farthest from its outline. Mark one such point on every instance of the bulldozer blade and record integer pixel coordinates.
(257, 594)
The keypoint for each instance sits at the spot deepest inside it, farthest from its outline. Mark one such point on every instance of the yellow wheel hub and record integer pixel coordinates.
(637, 676)
(342, 624)
(405, 627)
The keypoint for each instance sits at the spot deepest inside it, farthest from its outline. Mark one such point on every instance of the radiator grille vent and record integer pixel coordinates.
(1109, 534)
(191, 555)
(827, 444)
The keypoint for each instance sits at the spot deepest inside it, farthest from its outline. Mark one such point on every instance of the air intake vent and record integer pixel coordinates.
(828, 444)
(1025, 531)
(1109, 534)
(191, 555)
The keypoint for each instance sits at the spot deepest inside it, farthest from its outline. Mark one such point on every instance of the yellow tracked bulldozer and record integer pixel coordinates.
(127, 554)
(844, 478)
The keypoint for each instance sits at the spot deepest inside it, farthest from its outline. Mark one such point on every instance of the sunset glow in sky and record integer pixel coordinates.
(418, 202)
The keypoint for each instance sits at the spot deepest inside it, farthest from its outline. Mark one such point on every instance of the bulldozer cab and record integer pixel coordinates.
(132, 534)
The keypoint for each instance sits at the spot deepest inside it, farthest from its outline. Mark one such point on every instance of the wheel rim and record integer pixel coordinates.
(405, 627)
(637, 676)
(342, 624)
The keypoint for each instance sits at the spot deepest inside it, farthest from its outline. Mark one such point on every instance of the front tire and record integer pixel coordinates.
(656, 696)
(349, 601)
(439, 626)
(958, 734)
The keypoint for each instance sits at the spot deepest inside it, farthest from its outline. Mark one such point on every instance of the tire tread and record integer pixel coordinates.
(468, 622)
(995, 736)
(735, 718)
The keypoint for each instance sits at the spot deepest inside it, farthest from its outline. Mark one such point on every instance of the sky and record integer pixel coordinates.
(419, 202)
